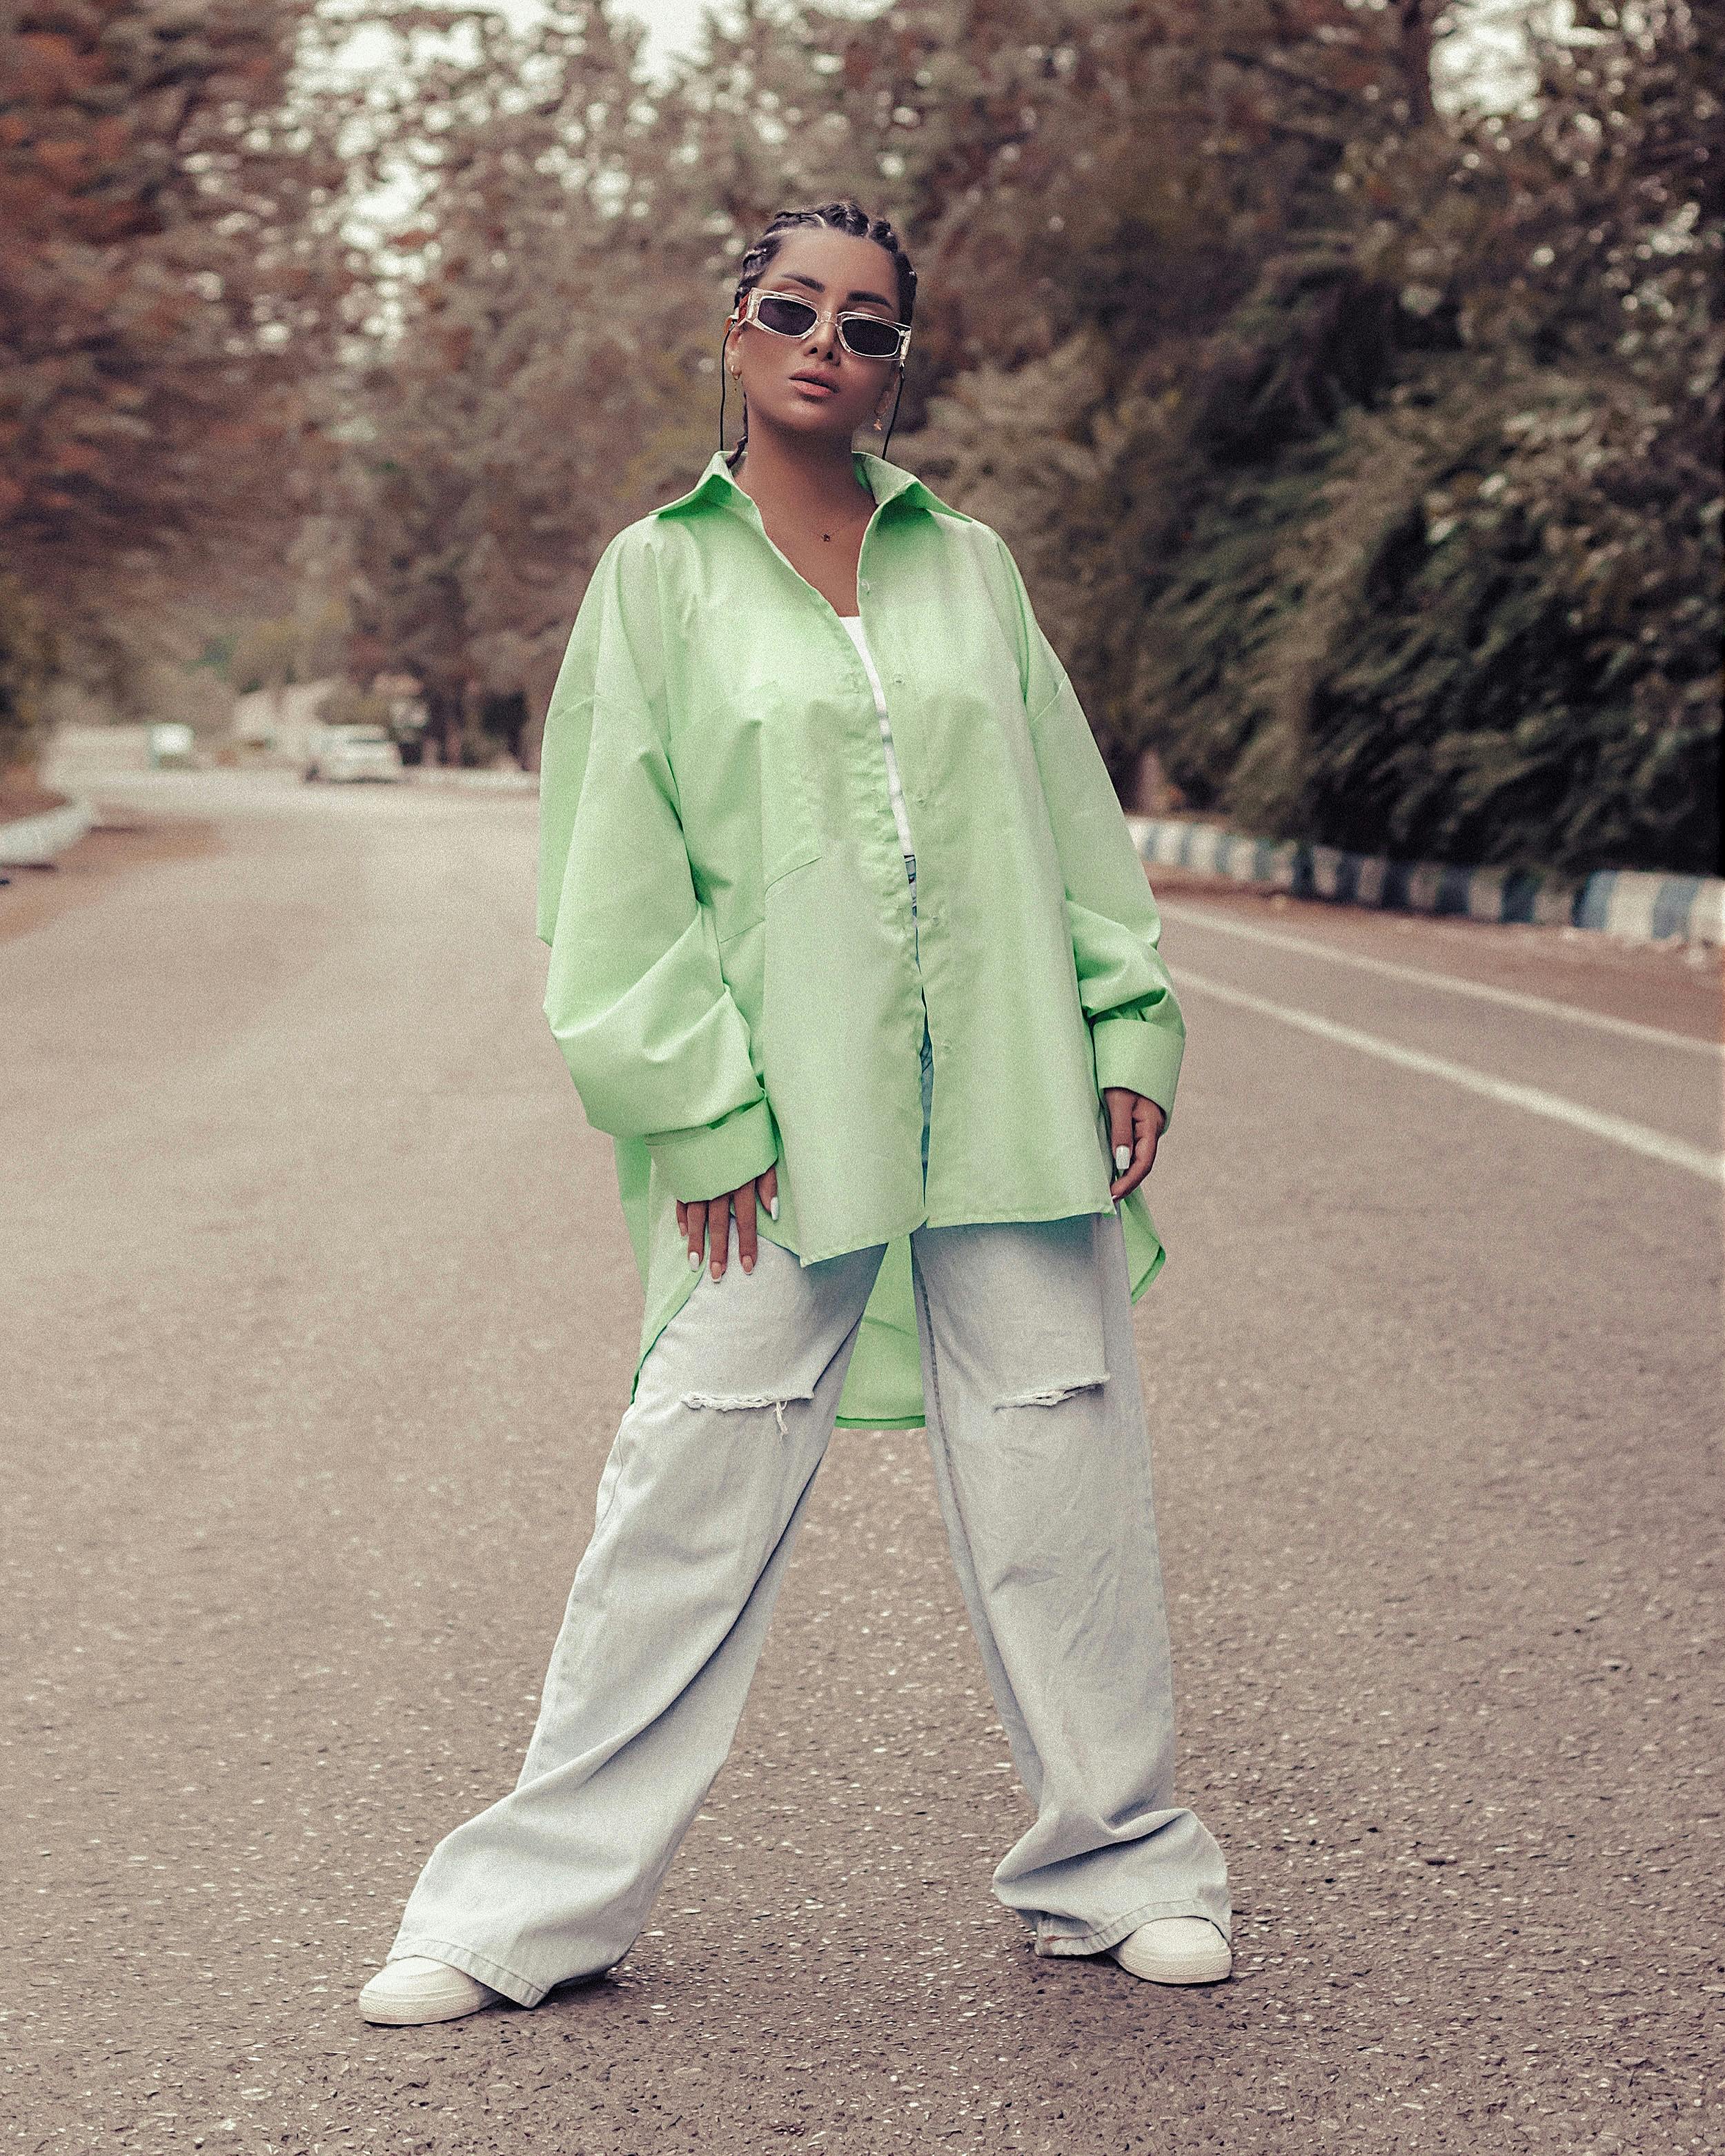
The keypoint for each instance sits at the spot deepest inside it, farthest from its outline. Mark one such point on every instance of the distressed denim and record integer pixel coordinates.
(1036, 1428)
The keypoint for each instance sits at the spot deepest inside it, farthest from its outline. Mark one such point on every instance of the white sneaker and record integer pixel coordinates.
(416, 1989)
(1176, 1950)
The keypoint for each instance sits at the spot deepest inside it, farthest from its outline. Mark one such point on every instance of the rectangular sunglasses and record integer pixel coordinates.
(870, 336)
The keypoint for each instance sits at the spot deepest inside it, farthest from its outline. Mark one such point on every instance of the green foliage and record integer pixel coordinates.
(1474, 625)
(217, 653)
(1530, 675)
(1413, 544)
(1163, 522)
(27, 660)
(265, 654)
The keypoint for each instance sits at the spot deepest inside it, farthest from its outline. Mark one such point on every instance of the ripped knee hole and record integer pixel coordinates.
(734, 1403)
(1051, 1396)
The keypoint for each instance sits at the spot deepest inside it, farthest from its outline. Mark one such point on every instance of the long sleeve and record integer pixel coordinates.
(1136, 1026)
(654, 1043)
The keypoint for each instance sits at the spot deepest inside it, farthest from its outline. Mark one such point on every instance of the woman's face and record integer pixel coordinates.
(811, 384)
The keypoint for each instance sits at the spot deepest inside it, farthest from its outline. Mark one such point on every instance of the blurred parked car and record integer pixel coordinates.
(354, 753)
(172, 746)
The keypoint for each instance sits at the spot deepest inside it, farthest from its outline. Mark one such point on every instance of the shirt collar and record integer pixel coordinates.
(885, 481)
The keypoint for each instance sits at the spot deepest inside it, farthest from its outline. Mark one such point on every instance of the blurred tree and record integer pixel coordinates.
(1154, 263)
(1533, 672)
(1361, 445)
(529, 353)
(170, 285)
(1479, 621)
(266, 656)
(27, 663)
(546, 366)
(1497, 330)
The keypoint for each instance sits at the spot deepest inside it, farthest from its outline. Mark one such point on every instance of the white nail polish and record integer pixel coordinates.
(772, 1206)
(1122, 1159)
(695, 1261)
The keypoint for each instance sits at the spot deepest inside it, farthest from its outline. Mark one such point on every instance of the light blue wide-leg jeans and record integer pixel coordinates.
(1035, 1424)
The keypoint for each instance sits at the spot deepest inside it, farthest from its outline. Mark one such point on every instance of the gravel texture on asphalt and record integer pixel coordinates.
(320, 1319)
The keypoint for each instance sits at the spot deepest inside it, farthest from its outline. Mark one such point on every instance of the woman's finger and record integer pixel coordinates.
(767, 1185)
(682, 1220)
(694, 1230)
(1147, 1130)
(1123, 1139)
(745, 1239)
(718, 1232)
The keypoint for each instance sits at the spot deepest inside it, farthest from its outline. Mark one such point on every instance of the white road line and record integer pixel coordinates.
(1513, 999)
(1654, 1144)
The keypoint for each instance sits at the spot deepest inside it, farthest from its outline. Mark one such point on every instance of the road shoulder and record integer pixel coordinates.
(1676, 986)
(121, 841)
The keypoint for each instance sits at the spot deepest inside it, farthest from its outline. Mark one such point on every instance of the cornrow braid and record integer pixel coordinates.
(847, 217)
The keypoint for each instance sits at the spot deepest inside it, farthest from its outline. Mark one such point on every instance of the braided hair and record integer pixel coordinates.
(846, 217)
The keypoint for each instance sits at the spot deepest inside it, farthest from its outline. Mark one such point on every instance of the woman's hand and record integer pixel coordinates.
(709, 1220)
(1134, 1125)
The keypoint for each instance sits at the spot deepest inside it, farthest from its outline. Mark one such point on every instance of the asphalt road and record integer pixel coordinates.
(318, 1322)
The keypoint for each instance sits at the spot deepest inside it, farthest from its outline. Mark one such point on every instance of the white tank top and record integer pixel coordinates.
(852, 624)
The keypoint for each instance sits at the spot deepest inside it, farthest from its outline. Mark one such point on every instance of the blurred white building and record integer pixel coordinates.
(282, 721)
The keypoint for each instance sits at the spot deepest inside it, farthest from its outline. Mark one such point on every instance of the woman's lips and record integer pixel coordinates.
(813, 387)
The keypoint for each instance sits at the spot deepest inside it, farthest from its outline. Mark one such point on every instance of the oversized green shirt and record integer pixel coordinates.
(735, 977)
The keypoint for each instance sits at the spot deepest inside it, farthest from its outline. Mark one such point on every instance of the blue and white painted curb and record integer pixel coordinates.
(1625, 902)
(37, 842)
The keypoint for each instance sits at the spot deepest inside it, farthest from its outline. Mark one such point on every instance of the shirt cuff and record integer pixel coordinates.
(712, 1157)
(1142, 1057)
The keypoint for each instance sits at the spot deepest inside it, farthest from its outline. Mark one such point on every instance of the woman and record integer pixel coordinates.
(887, 1076)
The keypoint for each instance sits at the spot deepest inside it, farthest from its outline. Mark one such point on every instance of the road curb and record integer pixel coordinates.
(508, 782)
(37, 842)
(1627, 902)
